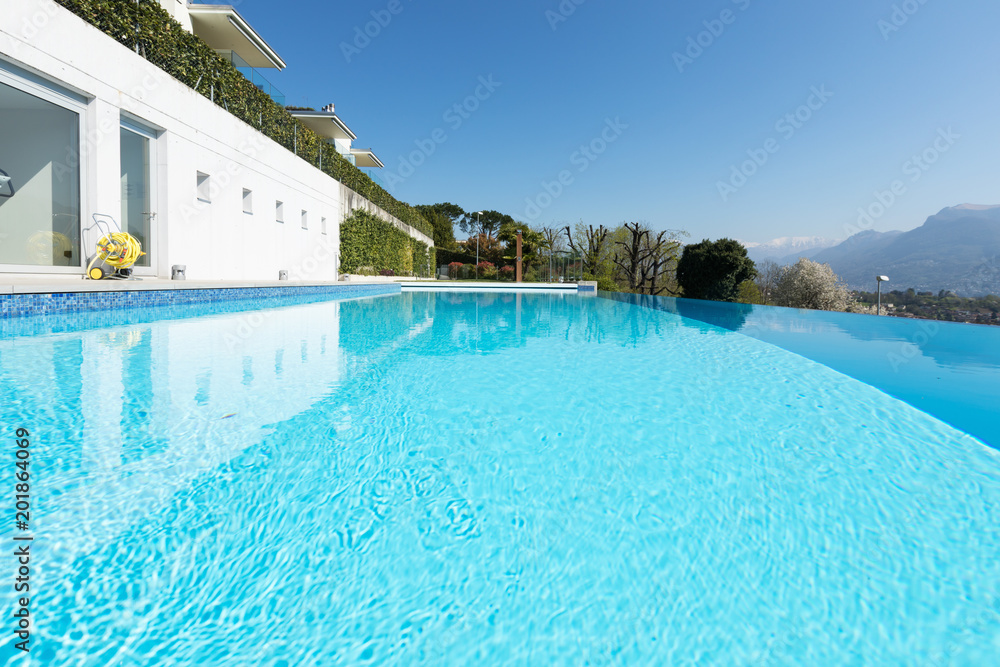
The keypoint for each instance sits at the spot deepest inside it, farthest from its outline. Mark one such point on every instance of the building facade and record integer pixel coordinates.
(92, 136)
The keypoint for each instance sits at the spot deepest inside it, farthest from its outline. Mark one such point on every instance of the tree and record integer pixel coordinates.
(442, 218)
(714, 270)
(646, 262)
(531, 244)
(488, 223)
(768, 275)
(490, 249)
(592, 246)
(748, 292)
(809, 284)
(553, 238)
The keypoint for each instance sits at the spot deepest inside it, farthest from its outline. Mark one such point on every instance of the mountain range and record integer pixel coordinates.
(957, 249)
(788, 249)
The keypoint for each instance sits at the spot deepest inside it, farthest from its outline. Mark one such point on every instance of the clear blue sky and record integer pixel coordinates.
(893, 92)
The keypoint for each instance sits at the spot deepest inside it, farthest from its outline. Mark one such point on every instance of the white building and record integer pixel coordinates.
(90, 127)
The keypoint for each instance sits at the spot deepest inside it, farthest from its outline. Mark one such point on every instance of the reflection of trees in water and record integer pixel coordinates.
(449, 323)
(370, 324)
(731, 316)
(491, 321)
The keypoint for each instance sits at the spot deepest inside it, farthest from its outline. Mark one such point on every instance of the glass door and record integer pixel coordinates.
(137, 183)
(39, 182)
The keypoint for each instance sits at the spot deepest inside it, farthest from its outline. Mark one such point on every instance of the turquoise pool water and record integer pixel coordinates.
(948, 369)
(448, 478)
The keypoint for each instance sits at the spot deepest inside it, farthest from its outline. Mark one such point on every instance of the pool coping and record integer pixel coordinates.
(52, 298)
(583, 286)
(34, 296)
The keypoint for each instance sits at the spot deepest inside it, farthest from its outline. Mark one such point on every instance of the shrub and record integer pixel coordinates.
(713, 270)
(369, 242)
(487, 270)
(809, 284)
(507, 273)
(422, 259)
(455, 269)
(387, 272)
(748, 292)
(606, 284)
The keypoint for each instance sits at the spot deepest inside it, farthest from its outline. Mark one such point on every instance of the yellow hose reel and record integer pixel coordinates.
(117, 251)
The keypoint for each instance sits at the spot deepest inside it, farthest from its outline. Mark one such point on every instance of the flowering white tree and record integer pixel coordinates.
(809, 284)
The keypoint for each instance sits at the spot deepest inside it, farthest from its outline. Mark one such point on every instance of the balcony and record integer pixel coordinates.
(254, 76)
(229, 35)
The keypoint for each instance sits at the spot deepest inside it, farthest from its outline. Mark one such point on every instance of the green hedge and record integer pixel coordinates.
(370, 245)
(146, 28)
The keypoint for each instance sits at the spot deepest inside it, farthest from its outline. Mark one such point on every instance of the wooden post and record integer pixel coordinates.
(519, 257)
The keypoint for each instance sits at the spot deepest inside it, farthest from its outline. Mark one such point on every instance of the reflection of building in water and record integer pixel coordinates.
(143, 411)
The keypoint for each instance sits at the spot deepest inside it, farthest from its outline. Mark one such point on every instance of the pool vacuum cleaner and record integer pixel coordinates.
(117, 252)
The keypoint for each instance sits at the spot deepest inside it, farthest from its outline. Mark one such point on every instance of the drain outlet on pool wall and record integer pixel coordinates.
(282, 274)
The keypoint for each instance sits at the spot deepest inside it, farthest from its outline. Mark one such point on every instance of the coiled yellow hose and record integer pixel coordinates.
(118, 249)
(121, 250)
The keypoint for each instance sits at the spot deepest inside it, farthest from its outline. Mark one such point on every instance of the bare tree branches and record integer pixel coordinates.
(646, 261)
(594, 248)
(768, 277)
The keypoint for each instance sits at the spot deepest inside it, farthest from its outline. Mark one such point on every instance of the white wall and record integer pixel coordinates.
(216, 241)
(178, 10)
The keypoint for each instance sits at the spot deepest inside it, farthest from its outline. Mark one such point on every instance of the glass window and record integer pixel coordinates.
(204, 185)
(137, 205)
(39, 181)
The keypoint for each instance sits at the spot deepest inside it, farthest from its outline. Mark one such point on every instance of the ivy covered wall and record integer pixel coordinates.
(371, 246)
(146, 28)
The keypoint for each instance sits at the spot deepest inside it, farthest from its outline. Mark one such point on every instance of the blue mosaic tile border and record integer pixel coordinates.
(586, 288)
(20, 305)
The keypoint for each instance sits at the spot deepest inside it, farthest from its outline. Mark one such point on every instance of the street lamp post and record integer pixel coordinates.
(479, 232)
(880, 280)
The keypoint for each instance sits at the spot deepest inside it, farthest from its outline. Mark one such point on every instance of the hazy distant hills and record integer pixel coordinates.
(788, 249)
(958, 249)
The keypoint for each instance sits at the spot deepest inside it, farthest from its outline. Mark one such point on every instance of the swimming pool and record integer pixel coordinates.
(486, 478)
